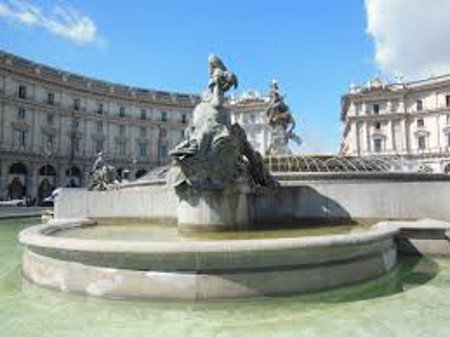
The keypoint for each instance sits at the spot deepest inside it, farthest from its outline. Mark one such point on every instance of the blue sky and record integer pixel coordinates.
(314, 48)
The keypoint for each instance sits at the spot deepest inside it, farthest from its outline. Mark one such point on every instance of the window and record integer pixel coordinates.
(122, 111)
(448, 139)
(162, 133)
(377, 145)
(143, 132)
(377, 126)
(142, 151)
(21, 113)
(182, 133)
(447, 101)
(100, 108)
(183, 118)
(143, 114)
(448, 119)
(419, 105)
(99, 126)
(163, 152)
(421, 143)
(75, 124)
(163, 116)
(75, 144)
(76, 104)
(376, 109)
(99, 146)
(21, 137)
(50, 98)
(121, 130)
(50, 119)
(122, 149)
(22, 91)
(420, 123)
(50, 142)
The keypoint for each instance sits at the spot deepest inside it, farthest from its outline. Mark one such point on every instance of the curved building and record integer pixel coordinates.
(53, 123)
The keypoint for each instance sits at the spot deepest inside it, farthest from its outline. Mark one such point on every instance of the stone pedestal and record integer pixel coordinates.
(223, 210)
(278, 144)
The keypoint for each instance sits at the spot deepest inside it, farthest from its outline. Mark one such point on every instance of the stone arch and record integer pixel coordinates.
(17, 181)
(46, 181)
(73, 176)
(140, 173)
(120, 173)
(47, 170)
(18, 168)
(447, 168)
(45, 189)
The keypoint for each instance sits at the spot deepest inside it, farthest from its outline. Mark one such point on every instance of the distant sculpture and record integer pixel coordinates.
(216, 154)
(281, 121)
(278, 111)
(102, 176)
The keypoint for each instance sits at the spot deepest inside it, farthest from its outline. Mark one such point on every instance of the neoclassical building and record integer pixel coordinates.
(407, 120)
(53, 123)
(249, 111)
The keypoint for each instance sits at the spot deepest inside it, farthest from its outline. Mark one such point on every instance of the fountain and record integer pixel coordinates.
(218, 224)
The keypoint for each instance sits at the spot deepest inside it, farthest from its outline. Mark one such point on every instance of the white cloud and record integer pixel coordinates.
(63, 21)
(411, 36)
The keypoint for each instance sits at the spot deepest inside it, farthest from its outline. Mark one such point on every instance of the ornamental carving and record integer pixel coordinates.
(20, 125)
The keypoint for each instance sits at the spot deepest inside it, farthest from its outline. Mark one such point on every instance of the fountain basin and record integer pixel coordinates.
(203, 269)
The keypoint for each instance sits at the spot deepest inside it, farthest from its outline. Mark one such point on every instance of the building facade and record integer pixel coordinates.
(54, 123)
(249, 111)
(406, 120)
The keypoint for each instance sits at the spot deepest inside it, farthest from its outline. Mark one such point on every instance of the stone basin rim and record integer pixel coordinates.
(38, 236)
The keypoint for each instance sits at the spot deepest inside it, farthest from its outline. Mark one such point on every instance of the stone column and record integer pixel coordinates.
(4, 172)
(368, 139)
(407, 136)
(31, 180)
(60, 176)
(34, 144)
(85, 175)
(2, 126)
(439, 134)
(391, 124)
(357, 127)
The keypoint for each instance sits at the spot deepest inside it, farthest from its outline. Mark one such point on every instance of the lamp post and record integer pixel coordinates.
(134, 161)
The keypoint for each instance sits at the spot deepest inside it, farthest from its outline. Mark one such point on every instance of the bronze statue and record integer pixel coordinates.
(278, 111)
(220, 80)
(216, 154)
(102, 176)
(282, 123)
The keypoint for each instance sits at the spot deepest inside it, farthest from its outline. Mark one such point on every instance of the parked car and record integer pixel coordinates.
(13, 202)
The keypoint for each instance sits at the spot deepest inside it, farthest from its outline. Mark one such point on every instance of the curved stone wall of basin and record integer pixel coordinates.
(204, 269)
(377, 196)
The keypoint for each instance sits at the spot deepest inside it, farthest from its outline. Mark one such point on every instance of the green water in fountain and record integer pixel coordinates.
(414, 300)
(139, 231)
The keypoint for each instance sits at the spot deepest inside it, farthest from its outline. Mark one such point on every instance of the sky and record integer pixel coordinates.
(315, 49)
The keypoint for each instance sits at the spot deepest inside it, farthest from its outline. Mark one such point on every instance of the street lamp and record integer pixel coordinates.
(133, 161)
